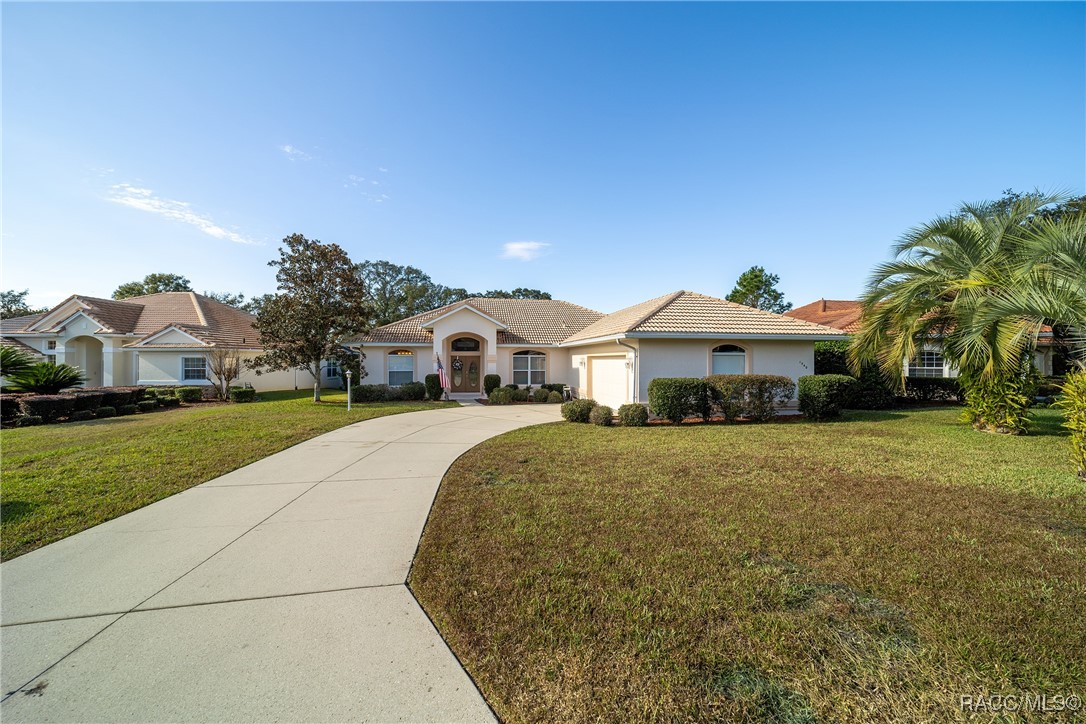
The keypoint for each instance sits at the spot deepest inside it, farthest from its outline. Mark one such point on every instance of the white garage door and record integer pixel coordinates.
(609, 380)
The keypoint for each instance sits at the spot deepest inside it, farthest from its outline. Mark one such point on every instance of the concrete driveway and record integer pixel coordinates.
(274, 593)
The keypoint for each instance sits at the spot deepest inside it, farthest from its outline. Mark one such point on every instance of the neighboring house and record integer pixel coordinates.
(157, 339)
(846, 315)
(610, 358)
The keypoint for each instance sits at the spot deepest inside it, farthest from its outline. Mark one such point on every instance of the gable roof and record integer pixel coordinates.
(837, 313)
(18, 324)
(12, 342)
(691, 314)
(527, 321)
(211, 322)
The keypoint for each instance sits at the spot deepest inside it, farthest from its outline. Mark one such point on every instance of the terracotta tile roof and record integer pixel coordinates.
(18, 324)
(211, 322)
(839, 314)
(689, 313)
(529, 321)
(12, 342)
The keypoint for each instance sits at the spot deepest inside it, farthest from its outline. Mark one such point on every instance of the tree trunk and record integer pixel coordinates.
(317, 390)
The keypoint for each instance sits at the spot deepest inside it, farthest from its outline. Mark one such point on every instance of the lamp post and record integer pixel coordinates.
(348, 390)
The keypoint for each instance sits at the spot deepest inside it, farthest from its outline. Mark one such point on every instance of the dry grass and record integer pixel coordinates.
(870, 569)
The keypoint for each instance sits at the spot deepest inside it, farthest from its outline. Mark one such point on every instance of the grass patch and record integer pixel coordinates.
(61, 479)
(870, 569)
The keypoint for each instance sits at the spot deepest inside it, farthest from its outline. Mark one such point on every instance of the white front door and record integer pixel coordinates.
(609, 380)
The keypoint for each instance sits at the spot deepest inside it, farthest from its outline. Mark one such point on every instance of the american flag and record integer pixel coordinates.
(441, 376)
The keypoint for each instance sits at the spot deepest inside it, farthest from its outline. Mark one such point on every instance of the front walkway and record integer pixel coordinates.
(273, 593)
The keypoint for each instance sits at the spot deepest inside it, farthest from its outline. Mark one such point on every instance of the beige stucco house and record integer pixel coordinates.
(157, 339)
(608, 357)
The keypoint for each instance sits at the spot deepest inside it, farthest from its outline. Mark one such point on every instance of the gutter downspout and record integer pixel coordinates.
(636, 369)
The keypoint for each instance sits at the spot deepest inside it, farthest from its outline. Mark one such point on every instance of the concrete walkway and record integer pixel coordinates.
(273, 593)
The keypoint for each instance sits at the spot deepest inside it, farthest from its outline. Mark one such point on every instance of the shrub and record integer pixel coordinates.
(601, 415)
(929, 389)
(116, 397)
(47, 407)
(81, 415)
(144, 405)
(127, 410)
(633, 415)
(190, 394)
(433, 387)
(555, 398)
(520, 395)
(491, 383)
(107, 411)
(9, 407)
(46, 378)
(871, 391)
(87, 400)
(675, 398)
(169, 400)
(375, 393)
(1073, 404)
(511, 386)
(997, 404)
(831, 358)
(413, 391)
(753, 396)
(823, 396)
(578, 410)
(29, 421)
(541, 395)
(242, 394)
(14, 361)
(501, 396)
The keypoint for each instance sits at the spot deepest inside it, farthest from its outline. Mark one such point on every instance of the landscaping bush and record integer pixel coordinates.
(501, 396)
(29, 421)
(242, 394)
(116, 397)
(824, 396)
(433, 387)
(578, 410)
(413, 391)
(190, 394)
(555, 398)
(871, 391)
(491, 383)
(87, 400)
(676, 398)
(127, 410)
(46, 378)
(144, 405)
(1073, 403)
(374, 393)
(169, 400)
(831, 358)
(47, 407)
(601, 415)
(633, 415)
(107, 411)
(753, 396)
(929, 389)
(9, 407)
(542, 394)
(520, 395)
(81, 415)
(997, 404)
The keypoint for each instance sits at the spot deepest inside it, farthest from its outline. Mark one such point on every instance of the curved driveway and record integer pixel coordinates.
(273, 593)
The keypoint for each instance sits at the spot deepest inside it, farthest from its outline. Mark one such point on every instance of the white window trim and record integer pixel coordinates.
(918, 370)
(744, 353)
(530, 355)
(183, 378)
(399, 354)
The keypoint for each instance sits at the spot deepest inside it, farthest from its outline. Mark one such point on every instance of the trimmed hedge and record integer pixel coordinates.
(81, 416)
(190, 394)
(871, 391)
(147, 405)
(578, 410)
(824, 396)
(929, 389)
(633, 415)
(520, 395)
(831, 358)
(541, 394)
(676, 398)
(87, 400)
(413, 391)
(501, 396)
(375, 393)
(48, 407)
(555, 398)
(242, 394)
(511, 386)
(433, 387)
(9, 407)
(755, 397)
(127, 410)
(169, 401)
(29, 421)
(491, 383)
(601, 415)
(105, 411)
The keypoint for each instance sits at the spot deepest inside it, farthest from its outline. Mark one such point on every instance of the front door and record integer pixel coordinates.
(464, 373)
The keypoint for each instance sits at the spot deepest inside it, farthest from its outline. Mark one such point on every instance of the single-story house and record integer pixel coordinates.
(610, 358)
(157, 339)
(846, 315)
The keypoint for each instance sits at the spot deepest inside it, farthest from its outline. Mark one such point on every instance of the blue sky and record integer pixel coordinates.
(623, 150)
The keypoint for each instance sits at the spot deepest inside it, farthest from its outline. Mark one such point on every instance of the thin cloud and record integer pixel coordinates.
(523, 250)
(294, 153)
(145, 200)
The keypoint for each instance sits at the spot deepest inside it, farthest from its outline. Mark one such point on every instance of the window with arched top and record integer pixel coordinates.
(529, 368)
(401, 367)
(729, 359)
(465, 344)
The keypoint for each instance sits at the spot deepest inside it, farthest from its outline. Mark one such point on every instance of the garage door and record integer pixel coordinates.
(608, 380)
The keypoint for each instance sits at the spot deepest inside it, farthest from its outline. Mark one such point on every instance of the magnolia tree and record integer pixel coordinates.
(320, 301)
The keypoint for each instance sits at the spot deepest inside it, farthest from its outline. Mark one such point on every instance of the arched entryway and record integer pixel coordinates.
(86, 354)
(466, 355)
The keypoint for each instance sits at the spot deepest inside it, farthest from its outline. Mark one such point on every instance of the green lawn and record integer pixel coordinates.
(867, 570)
(61, 479)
